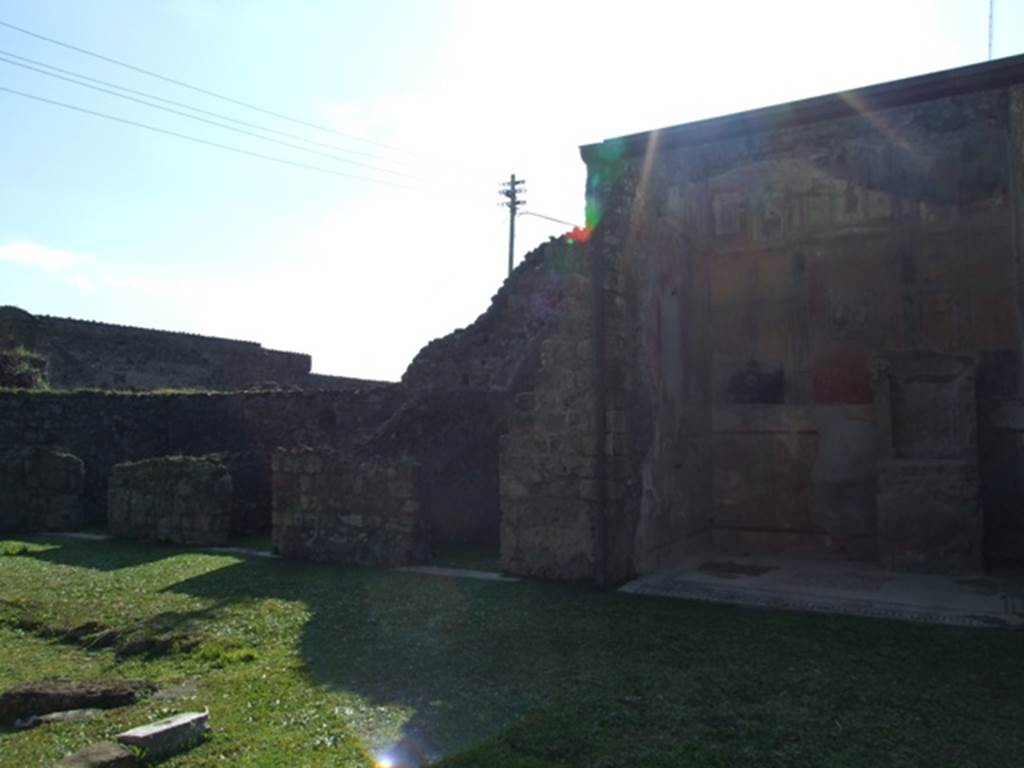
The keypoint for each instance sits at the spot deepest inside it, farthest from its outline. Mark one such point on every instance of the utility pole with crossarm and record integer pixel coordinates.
(512, 189)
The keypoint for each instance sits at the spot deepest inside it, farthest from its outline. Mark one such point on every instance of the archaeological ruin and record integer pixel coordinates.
(795, 330)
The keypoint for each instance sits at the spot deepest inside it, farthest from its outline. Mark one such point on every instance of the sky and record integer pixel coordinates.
(431, 103)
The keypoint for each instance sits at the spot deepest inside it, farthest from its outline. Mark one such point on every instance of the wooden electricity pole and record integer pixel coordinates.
(512, 189)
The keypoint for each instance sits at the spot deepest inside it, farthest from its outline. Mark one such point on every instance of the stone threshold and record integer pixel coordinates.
(76, 535)
(843, 588)
(456, 573)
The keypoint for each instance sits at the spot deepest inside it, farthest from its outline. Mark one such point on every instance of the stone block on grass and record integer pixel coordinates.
(60, 694)
(105, 754)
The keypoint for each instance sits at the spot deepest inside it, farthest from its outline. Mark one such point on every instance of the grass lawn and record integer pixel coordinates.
(304, 665)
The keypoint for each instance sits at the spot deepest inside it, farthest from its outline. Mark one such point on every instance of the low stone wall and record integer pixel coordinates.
(179, 499)
(329, 506)
(40, 490)
(105, 428)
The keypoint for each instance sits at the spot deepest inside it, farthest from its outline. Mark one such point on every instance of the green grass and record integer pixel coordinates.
(305, 665)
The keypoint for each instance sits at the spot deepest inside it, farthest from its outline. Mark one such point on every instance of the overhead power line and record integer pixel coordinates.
(218, 115)
(549, 218)
(216, 95)
(226, 147)
(242, 131)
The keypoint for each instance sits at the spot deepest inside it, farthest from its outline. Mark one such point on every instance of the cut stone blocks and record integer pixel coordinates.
(178, 499)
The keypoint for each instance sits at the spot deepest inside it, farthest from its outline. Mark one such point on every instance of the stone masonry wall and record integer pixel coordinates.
(40, 490)
(362, 511)
(547, 465)
(177, 499)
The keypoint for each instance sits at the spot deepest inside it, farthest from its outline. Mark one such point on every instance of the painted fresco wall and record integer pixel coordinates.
(760, 276)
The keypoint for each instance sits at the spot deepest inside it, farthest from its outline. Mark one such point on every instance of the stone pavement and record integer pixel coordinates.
(858, 589)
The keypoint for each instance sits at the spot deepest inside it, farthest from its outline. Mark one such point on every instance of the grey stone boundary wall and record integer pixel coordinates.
(105, 429)
(177, 499)
(333, 506)
(85, 353)
(40, 490)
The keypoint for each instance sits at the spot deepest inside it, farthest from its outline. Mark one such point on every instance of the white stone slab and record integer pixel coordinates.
(168, 736)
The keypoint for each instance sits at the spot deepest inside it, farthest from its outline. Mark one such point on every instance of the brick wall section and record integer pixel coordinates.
(177, 499)
(40, 490)
(331, 506)
(105, 429)
(547, 459)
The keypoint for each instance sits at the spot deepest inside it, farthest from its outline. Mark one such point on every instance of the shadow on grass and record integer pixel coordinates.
(125, 555)
(620, 680)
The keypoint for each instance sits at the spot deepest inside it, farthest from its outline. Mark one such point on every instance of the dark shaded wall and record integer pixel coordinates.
(756, 266)
(1002, 482)
(453, 437)
(461, 391)
(104, 429)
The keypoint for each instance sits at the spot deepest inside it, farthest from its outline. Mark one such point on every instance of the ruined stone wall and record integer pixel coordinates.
(105, 429)
(329, 505)
(500, 346)
(176, 499)
(764, 266)
(40, 490)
